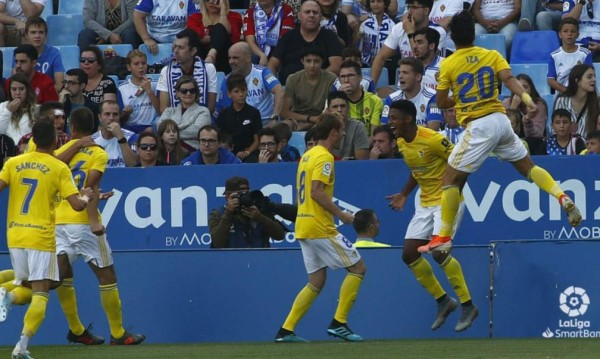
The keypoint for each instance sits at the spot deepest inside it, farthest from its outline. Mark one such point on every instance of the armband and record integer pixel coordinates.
(527, 100)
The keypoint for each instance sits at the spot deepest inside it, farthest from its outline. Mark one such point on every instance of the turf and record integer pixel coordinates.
(463, 349)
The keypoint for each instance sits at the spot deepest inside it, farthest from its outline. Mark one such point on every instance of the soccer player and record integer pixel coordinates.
(322, 245)
(426, 152)
(35, 180)
(82, 234)
(472, 73)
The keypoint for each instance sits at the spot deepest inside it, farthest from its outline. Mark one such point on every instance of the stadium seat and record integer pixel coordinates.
(7, 60)
(597, 69)
(297, 141)
(70, 56)
(530, 47)
(492, 42)
(164, 51)
(47, 11)
(115, 78)
(64, 29)
(383, 78)
(537, 72)
(121, 49)
(220, 78)
(66, 7)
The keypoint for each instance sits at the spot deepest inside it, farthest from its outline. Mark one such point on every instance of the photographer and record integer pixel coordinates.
(240, 223)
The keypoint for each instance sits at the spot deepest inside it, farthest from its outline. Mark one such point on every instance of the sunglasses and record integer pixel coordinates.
(89, 60)
(188, 91)
(148, 146)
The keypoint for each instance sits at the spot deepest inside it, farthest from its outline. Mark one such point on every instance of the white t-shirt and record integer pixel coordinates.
(421, 102)
(561, 63)
(112, 147)
(165, 18)
(13, 8)
(143, 112)
(398, 40)
(444, 8)
(496, 9)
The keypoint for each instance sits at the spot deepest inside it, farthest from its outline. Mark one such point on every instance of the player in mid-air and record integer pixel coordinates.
(426, 152)
(35, 180)
(474, 74)
(322, 245)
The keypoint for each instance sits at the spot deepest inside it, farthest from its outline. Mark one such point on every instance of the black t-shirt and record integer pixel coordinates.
(241, 125)
(291, 46)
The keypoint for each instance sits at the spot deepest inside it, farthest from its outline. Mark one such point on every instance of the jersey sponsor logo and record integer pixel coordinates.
(270, 79)
(256, 92)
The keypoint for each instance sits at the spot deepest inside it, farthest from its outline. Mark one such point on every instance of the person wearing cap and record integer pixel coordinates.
(210, 152)
(366, 225)
(240, 226)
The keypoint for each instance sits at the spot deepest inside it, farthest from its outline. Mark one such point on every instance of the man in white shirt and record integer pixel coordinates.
(425, 47)
(13, 14)
(115, 140)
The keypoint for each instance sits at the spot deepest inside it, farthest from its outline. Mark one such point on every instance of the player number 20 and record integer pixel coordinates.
(484, 78)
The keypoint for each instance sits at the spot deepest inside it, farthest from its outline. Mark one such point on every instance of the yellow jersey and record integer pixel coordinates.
(426, 157)
(88, 159)
(367, 110)
(35, 180)
(313, 221)
(472, 75)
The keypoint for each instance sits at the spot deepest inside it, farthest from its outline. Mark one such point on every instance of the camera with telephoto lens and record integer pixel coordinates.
(251, 198)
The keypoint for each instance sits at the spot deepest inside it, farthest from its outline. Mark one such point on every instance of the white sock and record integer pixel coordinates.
(24, 341)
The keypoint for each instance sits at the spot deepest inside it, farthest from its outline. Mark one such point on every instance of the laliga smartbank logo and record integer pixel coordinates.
(573, 302)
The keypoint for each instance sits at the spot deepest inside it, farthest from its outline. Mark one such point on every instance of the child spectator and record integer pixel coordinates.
(240, 120)
(140, 103)
(516, 122)
(563, 59)
(170, 150)
(374, 30)
(288, 152)
(593, 143)
(562, 142)
(226, 141)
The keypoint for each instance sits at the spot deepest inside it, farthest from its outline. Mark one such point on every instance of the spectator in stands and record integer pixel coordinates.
(516, 122)
(580, 99)
(72, 94)
(99, 87)
(353, 54)
(115, 140)
(13, 15)
(140, 103)
(425, 48)
(288, 153)
(210, 152)
(534, 126)
(357, 11)
(366, 225)
(240, 120)
(495, 17)
(49, 60)
(147, 148)
(264, 89)
(170, 148)
(442, 11)
(287, 56)
(19, 112)
(569, 54)
(310, 139)
(25, 58)
(187, 61)
(160, 24)
(307, 89)
(593, 143)
(269, 147)
(53, 110)
(355, 143)
(374, 30)
(584, 12)
(108, 22)
(226, 141)
(452, 130)
(563, 142)
(401, 36)
(188, 114)
(218, 28)
(364, 106)
(237, 225)
(384, 144)
(264, 24)
(335, 20)
(540, 15)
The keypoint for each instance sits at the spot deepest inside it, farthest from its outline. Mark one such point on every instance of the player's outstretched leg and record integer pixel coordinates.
(302, 303)
(5, 304)
(449, 206)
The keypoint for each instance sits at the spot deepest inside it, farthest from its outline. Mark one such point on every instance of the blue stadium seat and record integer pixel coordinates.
(47, 11)
(164, 51)
(297, 141)
(69, 7)
(115, 78)
(64, 29)
(383, 78)
(121, 49)
(70, 56)
(493, 42)
(597, 69)
(7, 60)
(220, 78)
(529, 47)
(537, 72)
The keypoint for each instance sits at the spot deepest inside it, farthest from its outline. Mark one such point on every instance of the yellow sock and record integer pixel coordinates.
(9, 285)
(68, 303)
(456, 278)
(7, 275)
(303, 301)
(35, 313)
(450, 203)
(544, 180)
(21, 295)
(111, 302)
(424, 274)
(348, 293)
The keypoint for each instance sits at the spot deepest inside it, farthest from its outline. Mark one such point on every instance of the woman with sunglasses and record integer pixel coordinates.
(147, 149)
(188, 114)
(18, 113)
(100, 87)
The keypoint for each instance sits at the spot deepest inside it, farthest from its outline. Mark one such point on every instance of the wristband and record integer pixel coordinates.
(122, 140)
(84, 198)
(527, 100)
(410, 36)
